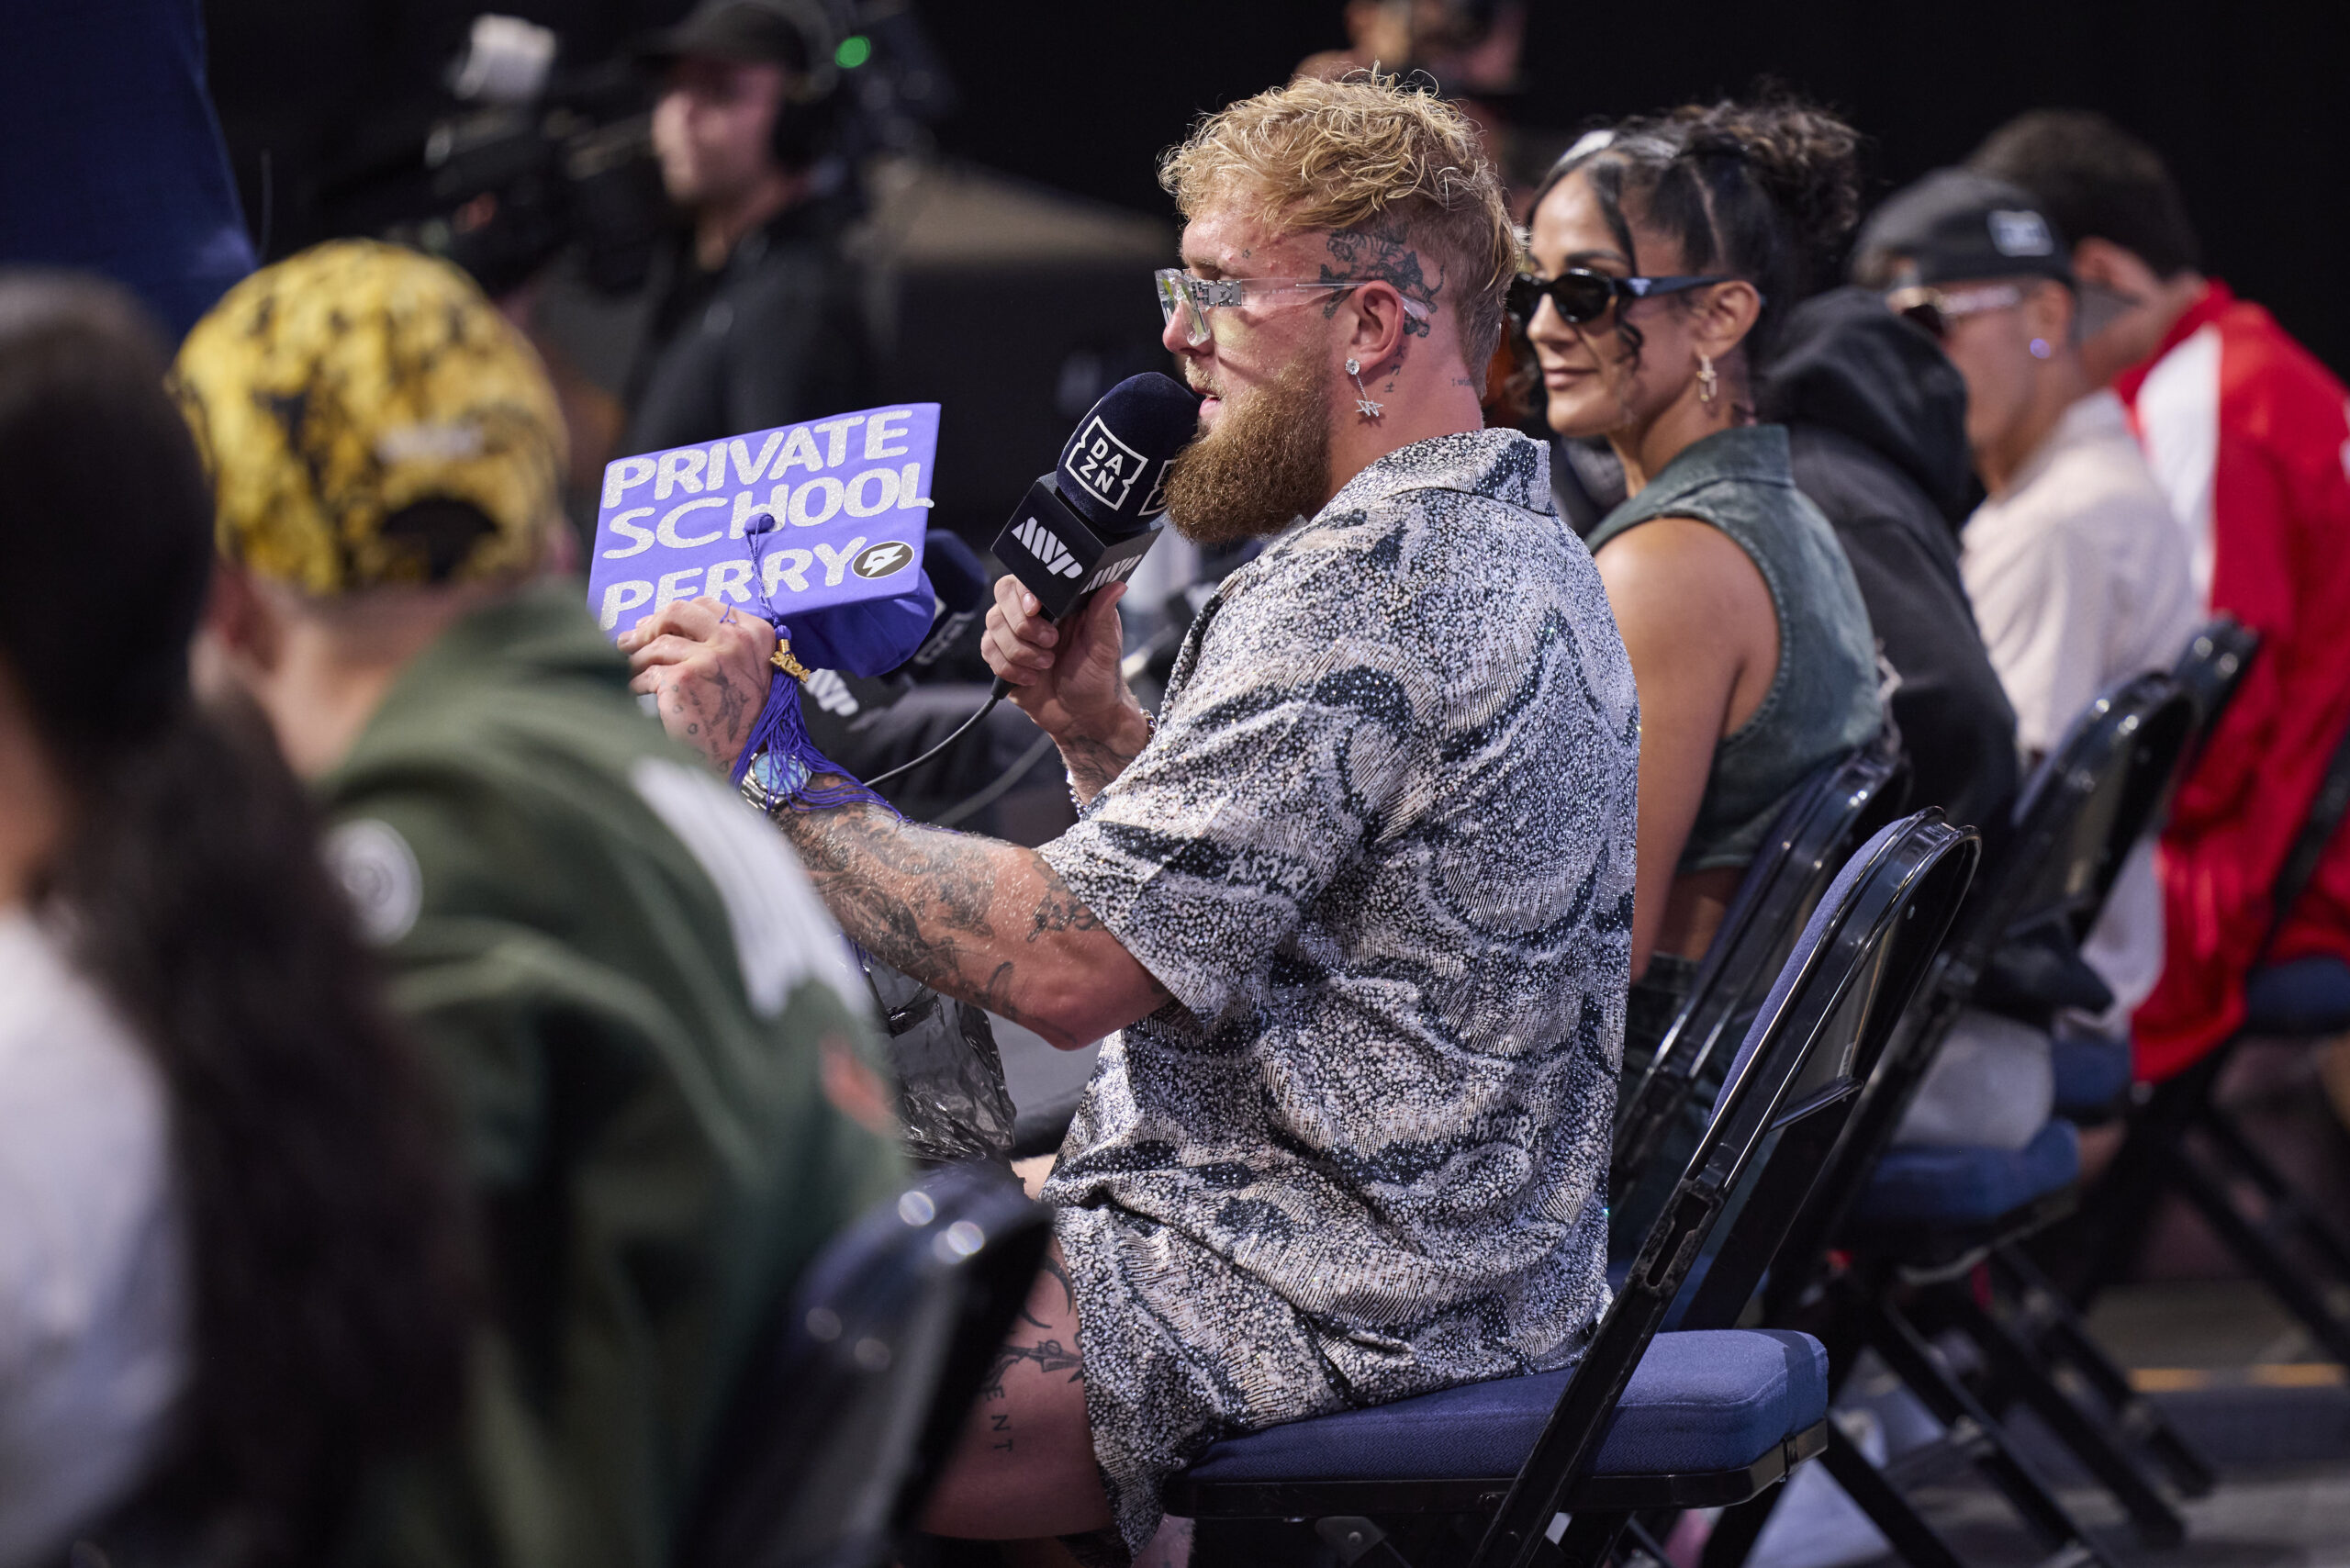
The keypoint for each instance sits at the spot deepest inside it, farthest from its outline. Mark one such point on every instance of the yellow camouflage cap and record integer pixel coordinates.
(340, 386)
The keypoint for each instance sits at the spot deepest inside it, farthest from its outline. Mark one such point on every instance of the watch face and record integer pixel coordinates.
(776, 779)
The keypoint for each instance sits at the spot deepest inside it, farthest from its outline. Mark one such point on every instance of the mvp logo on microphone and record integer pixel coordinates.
(1045, 546)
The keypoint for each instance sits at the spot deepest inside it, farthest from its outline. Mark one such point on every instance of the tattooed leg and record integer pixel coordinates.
(1023, 1466)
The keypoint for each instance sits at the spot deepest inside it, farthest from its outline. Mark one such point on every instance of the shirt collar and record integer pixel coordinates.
(2208, 307)
(2097, 417)
(1500, 465)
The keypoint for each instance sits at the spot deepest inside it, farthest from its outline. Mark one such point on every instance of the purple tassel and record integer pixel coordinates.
(781, 732)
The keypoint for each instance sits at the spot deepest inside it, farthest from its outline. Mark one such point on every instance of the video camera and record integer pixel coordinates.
(524, 158)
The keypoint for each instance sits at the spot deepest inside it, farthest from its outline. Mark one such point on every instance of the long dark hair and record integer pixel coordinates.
(331, 1279)
(1767, 190)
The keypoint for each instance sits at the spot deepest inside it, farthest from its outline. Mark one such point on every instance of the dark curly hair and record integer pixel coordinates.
(1765, 189)
(332, 1280)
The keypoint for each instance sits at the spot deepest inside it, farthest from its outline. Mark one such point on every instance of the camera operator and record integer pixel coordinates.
(757, 320)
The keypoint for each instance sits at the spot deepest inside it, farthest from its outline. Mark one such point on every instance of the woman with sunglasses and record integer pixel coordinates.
(1668, 249)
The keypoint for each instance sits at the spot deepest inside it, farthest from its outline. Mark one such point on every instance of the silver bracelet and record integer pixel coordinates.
(1149, 727)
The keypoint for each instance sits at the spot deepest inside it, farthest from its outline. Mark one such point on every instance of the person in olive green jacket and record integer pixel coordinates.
(651, 1033)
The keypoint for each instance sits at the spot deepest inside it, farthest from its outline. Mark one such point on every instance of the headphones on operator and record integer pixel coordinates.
(809, 112)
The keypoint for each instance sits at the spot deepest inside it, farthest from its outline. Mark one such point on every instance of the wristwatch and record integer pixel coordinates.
(770, 783)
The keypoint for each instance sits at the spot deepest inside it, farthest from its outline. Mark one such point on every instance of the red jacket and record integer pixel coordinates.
(2251, 437)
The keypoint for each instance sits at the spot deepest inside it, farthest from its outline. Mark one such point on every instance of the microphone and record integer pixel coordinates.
(1088, 523)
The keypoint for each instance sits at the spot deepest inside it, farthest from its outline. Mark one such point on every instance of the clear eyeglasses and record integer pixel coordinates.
(1195, 296)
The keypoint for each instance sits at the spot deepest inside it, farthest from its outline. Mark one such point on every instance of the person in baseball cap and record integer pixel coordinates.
(651, 1035)
(369, 419)
(2077, 573)
(1954, 226)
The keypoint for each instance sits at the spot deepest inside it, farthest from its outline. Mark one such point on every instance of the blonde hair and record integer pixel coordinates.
(1339, 155)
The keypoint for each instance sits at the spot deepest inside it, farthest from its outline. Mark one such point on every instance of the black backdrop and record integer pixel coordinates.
(2247, 100)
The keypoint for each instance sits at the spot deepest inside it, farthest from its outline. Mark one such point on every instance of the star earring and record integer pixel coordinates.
(1370, 409)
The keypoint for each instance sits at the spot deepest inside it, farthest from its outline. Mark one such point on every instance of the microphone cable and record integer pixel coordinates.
(1131, 666)
(1001, 686)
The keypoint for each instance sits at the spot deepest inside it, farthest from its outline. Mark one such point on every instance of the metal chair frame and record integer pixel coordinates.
(2181, 1140)
(1842, 803)
(1783, 1107)
(2079, 814)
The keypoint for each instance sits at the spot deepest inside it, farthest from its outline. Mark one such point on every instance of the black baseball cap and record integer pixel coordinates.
(746, 33)
(1956, 224)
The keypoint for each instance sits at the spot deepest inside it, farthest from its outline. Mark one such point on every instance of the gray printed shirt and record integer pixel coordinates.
(1379, 850)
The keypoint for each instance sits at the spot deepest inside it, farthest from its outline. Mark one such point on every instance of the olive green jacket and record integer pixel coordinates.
(633, 998)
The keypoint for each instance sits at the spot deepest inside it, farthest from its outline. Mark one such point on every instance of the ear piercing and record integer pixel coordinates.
(1709, 381)
(2040, 349)
(1370, 409)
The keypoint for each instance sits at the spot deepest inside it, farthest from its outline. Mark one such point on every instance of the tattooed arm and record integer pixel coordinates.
(1069, 679)
(975, 918)
(978, 919)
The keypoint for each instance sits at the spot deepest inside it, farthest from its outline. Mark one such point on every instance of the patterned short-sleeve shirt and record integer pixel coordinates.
(1379, 850)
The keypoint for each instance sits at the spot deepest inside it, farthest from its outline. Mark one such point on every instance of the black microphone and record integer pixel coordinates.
(1090, 523)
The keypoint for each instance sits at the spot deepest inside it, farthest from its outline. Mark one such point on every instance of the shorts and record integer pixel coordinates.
(1181, 1351)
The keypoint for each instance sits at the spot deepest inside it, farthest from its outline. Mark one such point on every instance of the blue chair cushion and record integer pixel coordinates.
(1708, 1400)
(2300, 996)
(1969, 1186)
(2091, 1072)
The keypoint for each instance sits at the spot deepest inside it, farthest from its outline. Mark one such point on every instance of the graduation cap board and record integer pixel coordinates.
(815, 527)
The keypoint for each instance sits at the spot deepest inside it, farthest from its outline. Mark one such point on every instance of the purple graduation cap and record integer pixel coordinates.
(816, 527)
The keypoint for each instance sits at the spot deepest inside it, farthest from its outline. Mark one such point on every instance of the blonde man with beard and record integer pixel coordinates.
(1358, 909)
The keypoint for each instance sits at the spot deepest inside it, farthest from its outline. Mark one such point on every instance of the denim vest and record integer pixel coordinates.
(1823, 698)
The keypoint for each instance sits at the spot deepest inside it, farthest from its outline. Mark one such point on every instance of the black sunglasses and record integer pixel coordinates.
(1582, 295)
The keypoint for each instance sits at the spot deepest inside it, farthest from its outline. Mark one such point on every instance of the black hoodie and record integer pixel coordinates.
(1876, 421)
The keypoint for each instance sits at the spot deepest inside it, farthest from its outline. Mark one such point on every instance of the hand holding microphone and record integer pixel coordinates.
(1066, 677)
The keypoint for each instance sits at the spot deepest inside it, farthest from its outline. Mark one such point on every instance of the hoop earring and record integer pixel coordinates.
(1368, 408)
(1710, 383)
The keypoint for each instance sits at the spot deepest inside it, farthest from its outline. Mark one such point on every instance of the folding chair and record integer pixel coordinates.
(1551, 1467)
(2210, 670)
(2181, 1140)
(1891, 1225)
(1839, 806)
(844, 1417)
(2093, 1074)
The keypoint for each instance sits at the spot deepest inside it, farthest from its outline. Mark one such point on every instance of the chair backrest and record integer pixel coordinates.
(846, 1414)
(1862, 954)
(2210, 670)
(2079, 813)
(2327, 808)
(2082, 811)
(1838, 806)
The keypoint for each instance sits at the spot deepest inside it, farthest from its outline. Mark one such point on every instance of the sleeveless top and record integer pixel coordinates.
(1823, 698)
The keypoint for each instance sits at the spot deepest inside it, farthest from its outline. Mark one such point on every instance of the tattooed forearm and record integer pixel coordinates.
(963, 915)
(1091, 764)
(1094, 760)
